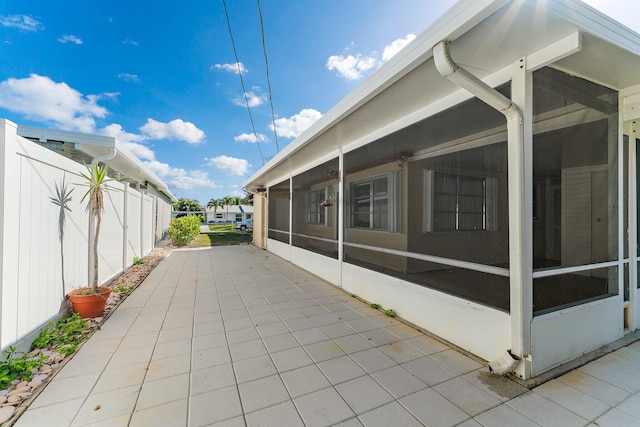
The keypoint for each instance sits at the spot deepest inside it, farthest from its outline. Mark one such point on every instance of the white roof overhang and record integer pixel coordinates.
(85, 147)
(487, 37)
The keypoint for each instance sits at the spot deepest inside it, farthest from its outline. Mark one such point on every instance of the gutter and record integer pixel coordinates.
(461, 77)
(515, 131)
(110, 155)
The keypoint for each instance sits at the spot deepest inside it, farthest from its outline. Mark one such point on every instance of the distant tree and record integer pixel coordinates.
(227, 200)
(247, 199)
(215, 204)
(187, 205)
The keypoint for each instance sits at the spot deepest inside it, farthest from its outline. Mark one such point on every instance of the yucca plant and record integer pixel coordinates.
(95, 179)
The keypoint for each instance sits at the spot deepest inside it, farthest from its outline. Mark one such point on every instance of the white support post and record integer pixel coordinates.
(341, 207)
(265, 224)
(290, 212)
(632, 129)
(520, 158)
(615, 203)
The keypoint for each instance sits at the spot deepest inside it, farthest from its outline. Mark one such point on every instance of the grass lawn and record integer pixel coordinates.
(225, 227)
(228, 236)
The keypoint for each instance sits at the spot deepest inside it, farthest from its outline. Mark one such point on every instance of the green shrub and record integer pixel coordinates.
(18, 366)
(68, 333)
(184, 229)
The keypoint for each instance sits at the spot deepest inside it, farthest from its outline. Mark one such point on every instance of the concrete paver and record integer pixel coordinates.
(236, 336)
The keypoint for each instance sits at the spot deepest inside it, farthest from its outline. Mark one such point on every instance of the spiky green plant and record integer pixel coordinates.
(95, 180)
(62, 198)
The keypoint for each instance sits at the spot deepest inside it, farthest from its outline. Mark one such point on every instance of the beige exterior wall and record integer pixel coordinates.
(259, 217)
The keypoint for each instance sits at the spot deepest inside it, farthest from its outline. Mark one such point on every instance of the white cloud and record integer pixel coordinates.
(70, 38)
(252, 99)
(131, 42)
(395, 46)
(131, 141)
(40, 98)
(22, 22)
(230, 165)
(351, 67)
(236, 68)
(177, 129)
(354, 67)
(129, 77)
(250, 137)
(293, 126)
(181, 178)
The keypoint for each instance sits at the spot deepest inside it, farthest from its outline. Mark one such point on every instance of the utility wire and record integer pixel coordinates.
(244, 91)
(266, 63)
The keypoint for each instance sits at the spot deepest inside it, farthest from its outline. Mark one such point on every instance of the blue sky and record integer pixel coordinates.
(163, 77)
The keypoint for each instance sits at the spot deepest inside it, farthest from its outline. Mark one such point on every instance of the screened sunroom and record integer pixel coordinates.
(482, 183)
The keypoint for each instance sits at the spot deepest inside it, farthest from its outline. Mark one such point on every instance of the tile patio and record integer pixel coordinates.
(236, 336)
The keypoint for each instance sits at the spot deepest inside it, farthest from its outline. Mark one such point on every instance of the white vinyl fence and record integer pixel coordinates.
(45, 239)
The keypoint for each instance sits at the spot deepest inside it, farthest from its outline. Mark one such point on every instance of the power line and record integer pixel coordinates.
(244, 91)
(266, 63)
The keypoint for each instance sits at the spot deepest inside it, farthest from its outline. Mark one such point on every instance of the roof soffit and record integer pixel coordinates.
(485, 43)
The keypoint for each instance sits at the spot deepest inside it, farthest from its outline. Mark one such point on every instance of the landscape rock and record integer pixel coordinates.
(14, 399)
(19, 390)
(6, 413)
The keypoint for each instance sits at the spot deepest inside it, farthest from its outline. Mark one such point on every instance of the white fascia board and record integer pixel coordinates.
(463, 16)
(61, 135)
(94, 145)
(555, 51)
(594, 22)
(630, 101)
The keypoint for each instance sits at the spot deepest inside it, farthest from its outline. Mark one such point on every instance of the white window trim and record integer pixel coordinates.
(490, 222)
(321, 219)
(394, 192)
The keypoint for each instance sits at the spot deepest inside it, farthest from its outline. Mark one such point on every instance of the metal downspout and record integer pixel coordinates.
(110, 155)
(461, 77)
(517, 249)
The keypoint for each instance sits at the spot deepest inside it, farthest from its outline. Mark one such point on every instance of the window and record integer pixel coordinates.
(315, 212)
(238, 217)
(459, 202)
(374, 203)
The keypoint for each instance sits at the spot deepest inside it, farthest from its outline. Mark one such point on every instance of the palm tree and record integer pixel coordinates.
(227, 200)
(215, 204)
(95, 179)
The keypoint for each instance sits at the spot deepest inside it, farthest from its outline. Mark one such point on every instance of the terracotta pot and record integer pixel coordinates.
(91, 305)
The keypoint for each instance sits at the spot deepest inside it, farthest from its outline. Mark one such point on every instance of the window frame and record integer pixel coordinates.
(489, 208)
(392, 196)
(314, 213)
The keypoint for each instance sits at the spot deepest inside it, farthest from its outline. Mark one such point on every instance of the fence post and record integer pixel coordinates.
(125, 225)
(9, 217)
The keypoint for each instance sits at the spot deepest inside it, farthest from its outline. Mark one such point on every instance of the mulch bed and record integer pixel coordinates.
(17, 398)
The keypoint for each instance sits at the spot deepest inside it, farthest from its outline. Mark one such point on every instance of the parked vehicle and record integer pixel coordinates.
(244, 225)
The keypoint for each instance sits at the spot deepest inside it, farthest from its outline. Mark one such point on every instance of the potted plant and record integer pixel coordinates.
(90, 301)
